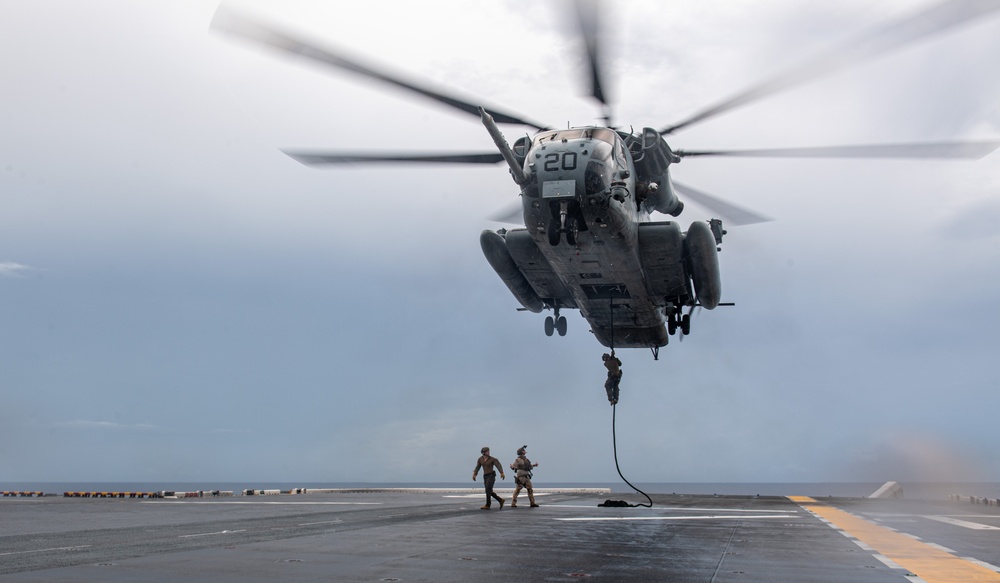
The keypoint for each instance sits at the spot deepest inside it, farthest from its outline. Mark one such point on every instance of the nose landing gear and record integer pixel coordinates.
(563, 221)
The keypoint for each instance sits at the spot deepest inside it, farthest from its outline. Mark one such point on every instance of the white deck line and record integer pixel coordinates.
(962, 523)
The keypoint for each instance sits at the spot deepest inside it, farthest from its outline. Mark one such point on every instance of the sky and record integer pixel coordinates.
(181, 302)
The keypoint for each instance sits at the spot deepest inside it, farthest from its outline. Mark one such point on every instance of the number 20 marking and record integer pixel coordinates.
(556, 161)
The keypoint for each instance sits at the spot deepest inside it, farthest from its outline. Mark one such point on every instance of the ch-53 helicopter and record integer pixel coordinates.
(588, 193)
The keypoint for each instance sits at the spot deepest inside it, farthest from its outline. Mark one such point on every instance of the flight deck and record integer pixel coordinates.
(443, 535)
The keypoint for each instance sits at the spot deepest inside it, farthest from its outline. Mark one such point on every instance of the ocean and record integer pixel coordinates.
(911, 490)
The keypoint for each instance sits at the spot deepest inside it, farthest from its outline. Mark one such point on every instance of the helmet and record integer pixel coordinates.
(485, 449)
(521, 450)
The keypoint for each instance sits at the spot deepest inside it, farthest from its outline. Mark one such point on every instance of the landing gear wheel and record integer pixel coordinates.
(572, 230)
(553, 235)
(561, 325)
(686, 324)
(671, 325)
(550, 326)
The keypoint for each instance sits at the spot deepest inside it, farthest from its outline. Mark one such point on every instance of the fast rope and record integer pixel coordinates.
(614, 438)
(614, 445)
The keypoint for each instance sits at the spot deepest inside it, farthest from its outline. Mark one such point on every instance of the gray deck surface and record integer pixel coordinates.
(442, 536)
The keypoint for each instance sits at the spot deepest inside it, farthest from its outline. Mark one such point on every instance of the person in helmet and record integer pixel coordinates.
(522, 479)
(614, 367)
(487, 463)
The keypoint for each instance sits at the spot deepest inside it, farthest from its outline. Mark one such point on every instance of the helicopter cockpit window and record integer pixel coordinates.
(620, 155)
(600, 169)
(603, 134)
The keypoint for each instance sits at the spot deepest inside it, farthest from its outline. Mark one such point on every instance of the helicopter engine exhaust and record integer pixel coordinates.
(702, 257)
(496, 252)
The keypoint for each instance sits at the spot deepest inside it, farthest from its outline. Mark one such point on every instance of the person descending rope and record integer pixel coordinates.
(613, 365)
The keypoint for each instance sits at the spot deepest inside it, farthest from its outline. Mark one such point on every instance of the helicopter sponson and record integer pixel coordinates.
(702, 257)
(677, 269)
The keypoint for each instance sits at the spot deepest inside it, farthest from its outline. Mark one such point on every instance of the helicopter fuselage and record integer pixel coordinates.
(588, 241)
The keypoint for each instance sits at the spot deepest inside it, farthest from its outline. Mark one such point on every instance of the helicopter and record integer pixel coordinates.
(588, 194)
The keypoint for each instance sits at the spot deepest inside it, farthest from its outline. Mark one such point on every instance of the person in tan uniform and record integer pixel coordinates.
(614, 367)
(487, 463)
(522, 479)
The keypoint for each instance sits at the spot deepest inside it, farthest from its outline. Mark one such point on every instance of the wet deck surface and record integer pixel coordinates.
(440, 536)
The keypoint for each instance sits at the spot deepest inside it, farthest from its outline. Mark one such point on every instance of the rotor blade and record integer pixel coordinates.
(588, 17)
(512, 214)
(322, 158)
(731, 213)
(227, 21)
(939, 150)
(933, 20)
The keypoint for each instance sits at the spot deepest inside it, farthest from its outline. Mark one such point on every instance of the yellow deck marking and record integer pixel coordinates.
(930, 563)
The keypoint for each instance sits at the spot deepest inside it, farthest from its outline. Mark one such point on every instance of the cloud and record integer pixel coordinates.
(11, 269)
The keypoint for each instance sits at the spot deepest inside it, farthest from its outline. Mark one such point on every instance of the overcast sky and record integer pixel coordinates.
(180, 301)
